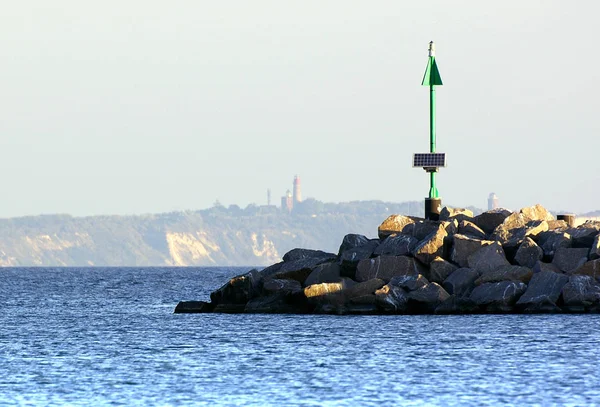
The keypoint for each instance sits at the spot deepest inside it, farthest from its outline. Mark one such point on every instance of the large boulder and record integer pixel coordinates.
(193, 307)
(590, 268)
(567, 260)
(439, 270)
(595, 250)
(459, 214)
(424, 228)
(239, 290)
(528, 253)
(352, 241)
(464, 246)
(512, 235)
(391, 299)
(283, 287)
(427, 298)
(431, 246)
(386, 267)
(324, 273)
(505, 273)
(553, 240)
(395, 224)
(584, 235)
(359, 298)
(350, 258)
(278, 303)
(498, 297)
(490, 220)
(580, 293)
(322, 289)
(298, 266)
(409, 282)
(396, 245)
(542, 292)
(461, 282)
(471, 229)
(300, 254)
(514, 226)
(541, 266)
(488, 258)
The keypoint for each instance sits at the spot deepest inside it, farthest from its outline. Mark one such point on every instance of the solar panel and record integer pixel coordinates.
(429, 160)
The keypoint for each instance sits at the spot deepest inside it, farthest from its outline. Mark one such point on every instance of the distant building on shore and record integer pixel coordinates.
(493, 202)
(290, 199)
(287, 203)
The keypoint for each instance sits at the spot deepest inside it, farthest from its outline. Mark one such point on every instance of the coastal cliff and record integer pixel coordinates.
(219, 236)
(495, 262)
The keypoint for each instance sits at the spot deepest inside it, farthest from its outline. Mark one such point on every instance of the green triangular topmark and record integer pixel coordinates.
(432, 74)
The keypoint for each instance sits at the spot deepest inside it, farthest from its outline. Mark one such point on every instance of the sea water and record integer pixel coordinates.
(108, 336)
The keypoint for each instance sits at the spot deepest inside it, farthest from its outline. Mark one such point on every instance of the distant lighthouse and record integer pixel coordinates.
(492, 201)
(297, 190)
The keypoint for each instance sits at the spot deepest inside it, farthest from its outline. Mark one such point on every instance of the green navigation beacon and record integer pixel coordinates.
(433, 160)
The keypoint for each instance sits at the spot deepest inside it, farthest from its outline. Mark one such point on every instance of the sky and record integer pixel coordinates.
(130, 107)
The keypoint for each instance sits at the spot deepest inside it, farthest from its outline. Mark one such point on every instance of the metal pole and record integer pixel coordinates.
(433, 192)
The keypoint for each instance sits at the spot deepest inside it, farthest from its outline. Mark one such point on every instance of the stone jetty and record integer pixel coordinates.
(495, 262)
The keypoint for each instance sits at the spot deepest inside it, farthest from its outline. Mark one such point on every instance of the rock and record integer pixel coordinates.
(461, 282)
(439, 270)
(385, 267)
(498, 297)
(323, 273)
(536, 212)
(298, 269)
(543, 289)
(528, 253)
(470, 229)
(349, 299)
(426, 299)
(193, 307)
(487, 258)
(456, 305)
(541, 266)
(465, 246)
(551, 241)
(590, 268)
(513, 227)
(239, 290)
(395, 224)
(228, 308)
(352, 241)
(278, 303)
(351, 257)
(284, 287)
(490, 220)
(585, 234)
(424, 228)
(557, 225)
(319, 290)
(568, 260)
(580, 293)
(505, 273)
(300, 254)
(431, 246)
(448, 213)
(391, 299)
(595, 250)
(409, 282)
(399, 245)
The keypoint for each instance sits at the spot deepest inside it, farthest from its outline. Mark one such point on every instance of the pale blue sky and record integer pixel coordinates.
(123, 107)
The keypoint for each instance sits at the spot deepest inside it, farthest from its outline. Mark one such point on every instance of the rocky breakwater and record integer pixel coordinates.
(496, 262)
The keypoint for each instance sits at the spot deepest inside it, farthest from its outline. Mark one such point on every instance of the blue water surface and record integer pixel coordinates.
(108, 336)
